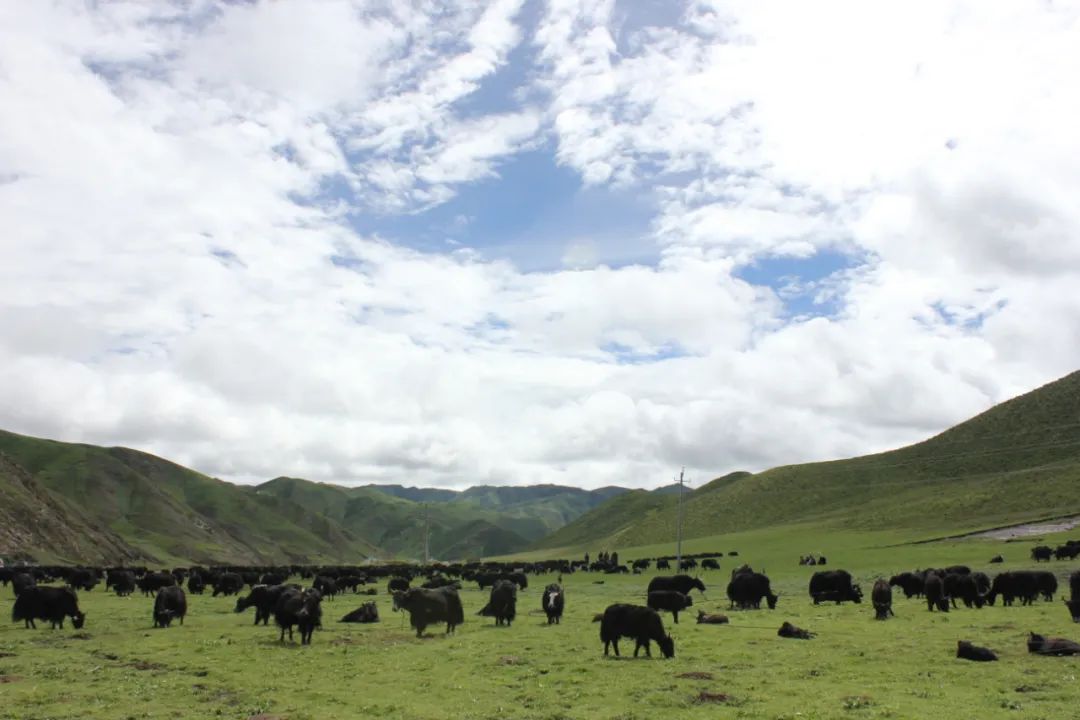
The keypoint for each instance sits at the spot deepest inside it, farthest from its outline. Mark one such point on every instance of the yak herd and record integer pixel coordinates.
(436, 601)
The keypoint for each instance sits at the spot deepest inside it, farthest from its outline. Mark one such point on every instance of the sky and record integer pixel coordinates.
(585, 242)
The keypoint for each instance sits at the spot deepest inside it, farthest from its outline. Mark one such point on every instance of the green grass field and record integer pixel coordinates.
(219, 665)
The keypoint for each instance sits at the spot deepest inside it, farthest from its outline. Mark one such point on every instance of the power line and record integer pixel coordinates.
(678, 525)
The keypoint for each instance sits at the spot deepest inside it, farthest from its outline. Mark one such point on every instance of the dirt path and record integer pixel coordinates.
(1013, 532)
(1022, 531)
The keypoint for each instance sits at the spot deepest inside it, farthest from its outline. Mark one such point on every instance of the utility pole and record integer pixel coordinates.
(678, 525)
(427, 534)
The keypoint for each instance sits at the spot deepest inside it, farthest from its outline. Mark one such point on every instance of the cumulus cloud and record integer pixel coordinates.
(181, 274)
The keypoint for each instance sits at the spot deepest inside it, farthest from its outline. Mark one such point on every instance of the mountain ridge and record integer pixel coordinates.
(1006, 465)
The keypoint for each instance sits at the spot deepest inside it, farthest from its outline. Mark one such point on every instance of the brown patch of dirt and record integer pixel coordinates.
(146, 665)
(264, 716)
(696, 675)
(510, 660)
(80, 636)
(344, 641)
(708, 697)
(5, 679)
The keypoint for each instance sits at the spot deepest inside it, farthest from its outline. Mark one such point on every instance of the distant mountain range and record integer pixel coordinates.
(1016, 462)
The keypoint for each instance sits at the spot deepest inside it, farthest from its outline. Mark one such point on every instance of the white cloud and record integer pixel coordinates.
(176, 278)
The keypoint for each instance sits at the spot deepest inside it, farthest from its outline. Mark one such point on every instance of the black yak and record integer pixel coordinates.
(633, 621)
(966, 651)
(679, 583)
(366, 613)
(170, 603)
(934, 589)
(47, 603)
(553, 602)
(302, 608)
(502, 603)
(747, 589)
(1041, 645)
(427, 607)
(881, 597)
(670, 600)
(705, 618)
(834, 585)
(228, 583)
(787, 630)
(264, 599)
(911, 583)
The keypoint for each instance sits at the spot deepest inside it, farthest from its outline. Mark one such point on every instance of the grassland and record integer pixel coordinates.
(219, 665)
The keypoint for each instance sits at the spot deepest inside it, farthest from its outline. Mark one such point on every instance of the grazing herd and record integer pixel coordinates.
(437, 600)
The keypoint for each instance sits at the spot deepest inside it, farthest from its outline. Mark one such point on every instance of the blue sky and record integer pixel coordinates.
(529, 214)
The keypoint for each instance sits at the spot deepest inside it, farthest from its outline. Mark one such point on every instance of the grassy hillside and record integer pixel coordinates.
(130, 505)
(477, 522)
(1016, 462)
(31, 516)
(613, 522)
(553, 505)
(168, 513)
(457, 529)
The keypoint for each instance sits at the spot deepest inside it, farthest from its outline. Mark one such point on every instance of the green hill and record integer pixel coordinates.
(397, 524)
(33, 517)
(553, 505)
(1016, 462)
(117, 505)
(167, 513)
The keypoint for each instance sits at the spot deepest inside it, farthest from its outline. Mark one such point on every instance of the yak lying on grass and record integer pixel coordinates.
(966, 651)
(366, 613)
(428, 607)
(787, 630)
(1040, 645)
(633, 621)
(705, 618)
